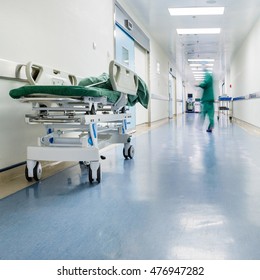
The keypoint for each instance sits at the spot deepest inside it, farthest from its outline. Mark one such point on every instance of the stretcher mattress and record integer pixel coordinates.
(101, 87)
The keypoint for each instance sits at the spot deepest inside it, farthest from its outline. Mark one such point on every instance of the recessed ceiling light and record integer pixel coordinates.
(198, 31)
(195, 65)
(201, 59)
(196, 11)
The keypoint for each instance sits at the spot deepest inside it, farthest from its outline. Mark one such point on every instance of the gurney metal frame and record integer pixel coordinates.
(78, 127)
(225, 107)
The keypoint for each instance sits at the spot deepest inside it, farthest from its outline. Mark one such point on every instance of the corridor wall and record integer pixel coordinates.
(244, 77)
(66, 35)
(72, 36)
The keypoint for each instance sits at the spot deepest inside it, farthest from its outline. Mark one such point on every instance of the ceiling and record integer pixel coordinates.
(238, 19)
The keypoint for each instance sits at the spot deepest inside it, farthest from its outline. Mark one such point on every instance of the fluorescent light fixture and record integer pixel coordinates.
(201, 73)
(195, 65)
(196, 11)
(198, 72)
(186, 31)
(198, 69)
(201, 59)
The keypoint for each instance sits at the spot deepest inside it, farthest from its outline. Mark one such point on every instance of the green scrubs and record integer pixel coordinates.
(207, 99)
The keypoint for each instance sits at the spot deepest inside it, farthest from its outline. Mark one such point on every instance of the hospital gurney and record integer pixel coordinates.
(225, 107)
(79, 119)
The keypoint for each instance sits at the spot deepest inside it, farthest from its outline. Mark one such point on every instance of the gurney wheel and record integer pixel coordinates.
(131, 151)
(29, 179)
(99, 174)
(37, 171)
(124, 154)
(90, 175)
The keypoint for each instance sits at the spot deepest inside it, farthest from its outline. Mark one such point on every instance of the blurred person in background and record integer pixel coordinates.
(207, 100)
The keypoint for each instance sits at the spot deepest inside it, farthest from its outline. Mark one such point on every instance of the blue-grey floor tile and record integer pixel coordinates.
(186, 194)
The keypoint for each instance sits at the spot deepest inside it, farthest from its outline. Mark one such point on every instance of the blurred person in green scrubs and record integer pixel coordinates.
(207, 100)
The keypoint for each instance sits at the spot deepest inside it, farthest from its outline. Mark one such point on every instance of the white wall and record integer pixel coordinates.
(59, 34)
(244, 77)
(15, 134)
(247, 111)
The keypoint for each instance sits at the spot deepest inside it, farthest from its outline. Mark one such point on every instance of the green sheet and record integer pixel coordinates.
(103, 88)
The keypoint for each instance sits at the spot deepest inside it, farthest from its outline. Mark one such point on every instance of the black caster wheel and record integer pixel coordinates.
(37, 171)
(29, 179)
(131, 152)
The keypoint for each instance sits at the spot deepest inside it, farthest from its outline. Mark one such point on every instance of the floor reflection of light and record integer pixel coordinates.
(204, 234)
(252, 191)
(188, 252)
(196, 160)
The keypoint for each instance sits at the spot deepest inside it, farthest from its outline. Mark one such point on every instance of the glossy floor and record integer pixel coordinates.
(187, 194)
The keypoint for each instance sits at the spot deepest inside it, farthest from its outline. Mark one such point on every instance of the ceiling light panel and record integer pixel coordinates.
(196, 11)
(186, 31)
(201, 60)
(195, 65)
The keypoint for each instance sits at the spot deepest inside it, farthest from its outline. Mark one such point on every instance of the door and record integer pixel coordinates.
(172, 96)
(142, 70)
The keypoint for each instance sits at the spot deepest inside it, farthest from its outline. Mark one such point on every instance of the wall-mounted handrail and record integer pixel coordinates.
(12, 70)
(246, 97)
(159, 97)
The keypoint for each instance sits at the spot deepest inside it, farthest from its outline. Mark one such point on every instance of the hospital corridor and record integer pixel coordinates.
(111, 147)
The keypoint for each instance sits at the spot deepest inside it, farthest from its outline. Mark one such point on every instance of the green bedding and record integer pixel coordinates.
(103, 89)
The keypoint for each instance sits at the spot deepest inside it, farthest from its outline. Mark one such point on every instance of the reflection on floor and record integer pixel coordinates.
(187, 194)
(13, 180)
